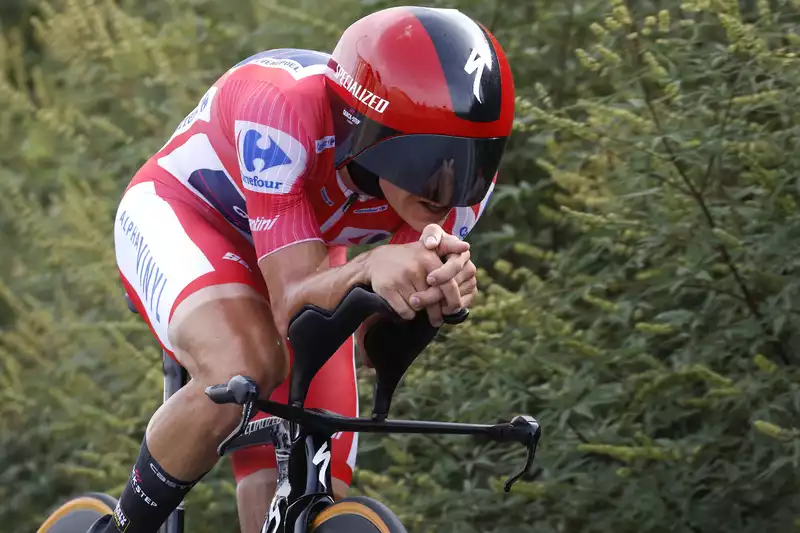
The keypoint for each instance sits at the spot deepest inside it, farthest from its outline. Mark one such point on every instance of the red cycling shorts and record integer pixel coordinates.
(170, 244)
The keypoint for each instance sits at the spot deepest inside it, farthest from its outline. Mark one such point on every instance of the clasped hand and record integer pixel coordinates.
(412, 277)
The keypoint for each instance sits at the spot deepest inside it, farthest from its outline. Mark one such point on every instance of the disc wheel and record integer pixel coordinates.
(77, 514)
(358, 514)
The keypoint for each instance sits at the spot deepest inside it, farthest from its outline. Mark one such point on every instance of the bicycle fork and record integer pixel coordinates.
(304, 481)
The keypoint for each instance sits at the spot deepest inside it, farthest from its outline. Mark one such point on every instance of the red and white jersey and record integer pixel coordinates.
(258, 148)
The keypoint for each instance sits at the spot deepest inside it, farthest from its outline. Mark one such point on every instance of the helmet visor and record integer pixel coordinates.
(451, 171)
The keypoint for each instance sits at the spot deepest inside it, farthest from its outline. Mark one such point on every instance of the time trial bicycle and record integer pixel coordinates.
(303, 500)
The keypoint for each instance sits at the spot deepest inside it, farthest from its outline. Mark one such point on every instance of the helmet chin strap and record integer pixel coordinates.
(364, 180)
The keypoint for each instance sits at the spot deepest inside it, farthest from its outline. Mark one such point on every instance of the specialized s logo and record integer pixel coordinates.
(323, 456)
(475, 64)
(270, 160)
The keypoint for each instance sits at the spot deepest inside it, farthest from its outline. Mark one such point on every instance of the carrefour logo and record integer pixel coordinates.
(254, 183)
(270, 160)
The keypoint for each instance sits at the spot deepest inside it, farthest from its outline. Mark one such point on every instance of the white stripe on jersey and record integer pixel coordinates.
(154, 253)
(466, 217)
(196, 153)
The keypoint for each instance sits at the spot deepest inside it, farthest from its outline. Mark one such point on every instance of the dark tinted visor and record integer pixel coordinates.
(451, 171)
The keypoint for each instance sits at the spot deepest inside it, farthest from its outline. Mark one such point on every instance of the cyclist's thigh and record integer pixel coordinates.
(184, 266)
(334, 388)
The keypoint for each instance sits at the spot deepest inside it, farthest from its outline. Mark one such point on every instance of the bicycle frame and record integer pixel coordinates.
(302, 437)
(302, 441)
(305, 488)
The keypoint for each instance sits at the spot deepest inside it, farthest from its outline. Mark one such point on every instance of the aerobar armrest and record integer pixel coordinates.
(392, 343)
(315, 334)
(392, 346)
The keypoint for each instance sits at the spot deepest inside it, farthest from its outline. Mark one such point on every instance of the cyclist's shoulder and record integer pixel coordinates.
(286, 85)
(298, 61)
(286, 71)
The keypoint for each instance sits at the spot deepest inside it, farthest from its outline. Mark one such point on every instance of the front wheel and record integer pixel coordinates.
(358, 514)
(77, 514)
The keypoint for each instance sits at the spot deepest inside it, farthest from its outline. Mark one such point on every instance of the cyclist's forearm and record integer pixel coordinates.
(324, 288)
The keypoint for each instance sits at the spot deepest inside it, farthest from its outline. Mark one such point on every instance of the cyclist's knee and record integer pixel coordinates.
(258, 357)
(225, 330)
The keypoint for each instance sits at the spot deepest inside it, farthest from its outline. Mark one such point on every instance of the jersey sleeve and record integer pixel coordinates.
(274, 154)
(459, 221)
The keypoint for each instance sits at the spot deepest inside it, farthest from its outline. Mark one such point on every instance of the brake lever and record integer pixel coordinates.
(528, 431)
(240, 390)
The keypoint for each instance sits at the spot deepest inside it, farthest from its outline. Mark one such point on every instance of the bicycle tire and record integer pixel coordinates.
(77, 514)
(357, 514)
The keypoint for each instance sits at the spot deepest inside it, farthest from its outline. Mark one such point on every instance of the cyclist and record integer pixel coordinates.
(244, 216)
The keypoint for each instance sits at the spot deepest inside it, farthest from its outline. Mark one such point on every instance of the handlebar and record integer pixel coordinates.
(243, 391)
(393, 343)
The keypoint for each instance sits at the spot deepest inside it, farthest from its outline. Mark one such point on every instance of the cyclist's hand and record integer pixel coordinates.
(457, 253)
(396, 271)
(467, 284)
(436, 238)
(467, 289)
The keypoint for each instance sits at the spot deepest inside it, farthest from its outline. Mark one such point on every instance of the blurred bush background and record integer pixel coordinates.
(640, 263)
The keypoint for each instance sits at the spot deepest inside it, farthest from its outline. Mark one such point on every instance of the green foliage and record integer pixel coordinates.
(656, 339)
(79, 375)
(640, 282)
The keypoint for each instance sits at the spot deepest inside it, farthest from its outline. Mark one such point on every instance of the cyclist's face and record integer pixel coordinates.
(415, 210)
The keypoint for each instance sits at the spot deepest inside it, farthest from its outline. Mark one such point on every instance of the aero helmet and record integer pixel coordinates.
(423, 98)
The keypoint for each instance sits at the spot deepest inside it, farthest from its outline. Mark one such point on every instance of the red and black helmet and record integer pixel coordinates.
(423, 98)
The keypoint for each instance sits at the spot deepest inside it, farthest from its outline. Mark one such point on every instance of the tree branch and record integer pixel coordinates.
(697, 195)
(712, 159)
(562, 54)
(580, 435)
